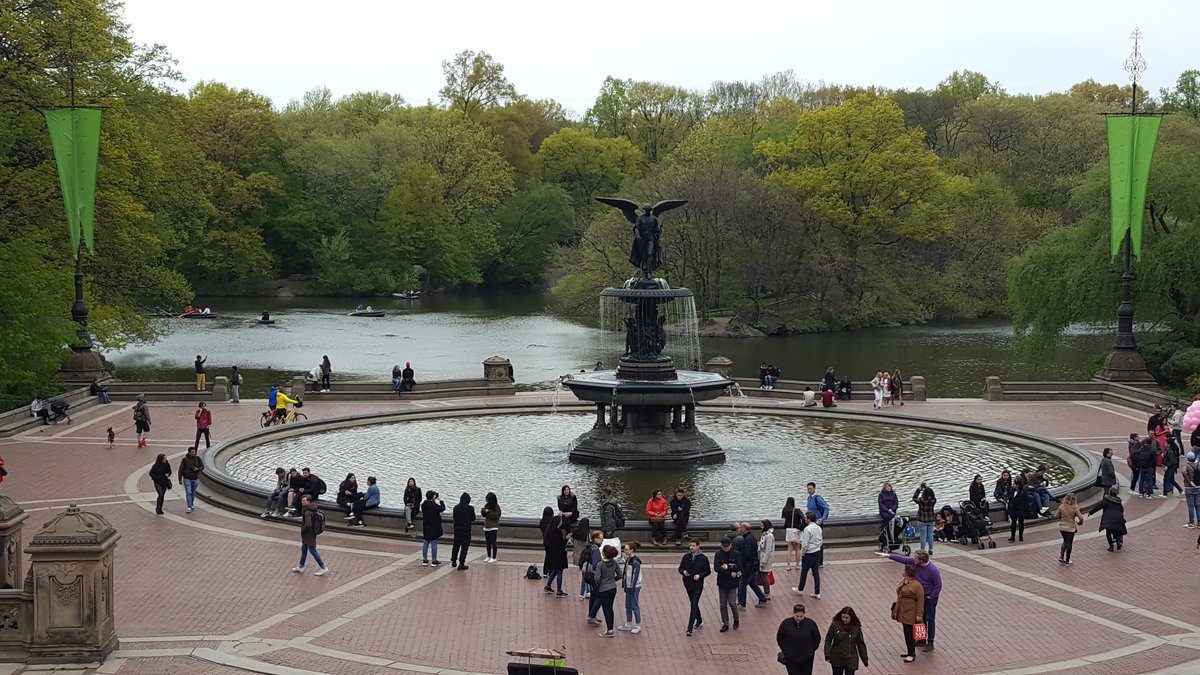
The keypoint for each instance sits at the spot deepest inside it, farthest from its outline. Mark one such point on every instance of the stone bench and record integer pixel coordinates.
(382, 391)
(18, 419)
(914, 389)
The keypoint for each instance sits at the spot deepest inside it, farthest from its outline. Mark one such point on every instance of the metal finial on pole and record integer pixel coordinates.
(1135, 64)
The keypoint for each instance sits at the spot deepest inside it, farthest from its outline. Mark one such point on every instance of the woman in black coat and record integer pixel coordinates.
(431, 523)
(348, 493)
(1112, 521)
(160, 473)
(1018, 508)
(412, 502)
(977, 493)
(1108, 473)
(554, 541)
(568, 505)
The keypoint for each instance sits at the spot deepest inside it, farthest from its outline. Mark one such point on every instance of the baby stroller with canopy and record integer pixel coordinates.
(58, 411)
(894, 536)
(975, 526)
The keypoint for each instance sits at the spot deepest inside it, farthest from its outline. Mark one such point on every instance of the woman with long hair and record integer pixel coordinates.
(844, 643)
(656, 513)
(580, 536)
(877, 389)
(1069, 520)
(160, 473)
(568, 505)
(977, 493)
(412, 502)
(766, 556)
(554, 564)
(606, 585)
(909, 609)
(793, 523)
(898, 387)
(1003, 490)
(491, 526)
(347, 493)
(631, 581)
(547, 516)
(889, 503)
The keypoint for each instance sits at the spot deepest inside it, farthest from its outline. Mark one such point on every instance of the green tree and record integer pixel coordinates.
(528, 232)
(1185, 97)
(474, 82)
(587, 167)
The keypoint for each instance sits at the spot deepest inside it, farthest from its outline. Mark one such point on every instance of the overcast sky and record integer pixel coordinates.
(564, 50)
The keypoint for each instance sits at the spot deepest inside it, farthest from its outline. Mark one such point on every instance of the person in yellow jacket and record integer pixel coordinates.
(281, 403)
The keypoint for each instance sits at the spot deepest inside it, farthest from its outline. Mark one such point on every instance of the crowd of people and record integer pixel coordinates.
(887, 388)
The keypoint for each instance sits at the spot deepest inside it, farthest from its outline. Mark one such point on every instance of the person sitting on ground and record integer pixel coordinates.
(946, 526)
(98, 390)
(827, 398)
(810, 398)
(845, 389)
(406, 377)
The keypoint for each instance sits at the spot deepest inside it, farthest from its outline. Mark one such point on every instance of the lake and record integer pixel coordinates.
(449, 336)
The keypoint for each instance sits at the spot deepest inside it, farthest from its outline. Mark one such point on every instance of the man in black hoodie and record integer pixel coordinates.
(464, 515)
(431, 523)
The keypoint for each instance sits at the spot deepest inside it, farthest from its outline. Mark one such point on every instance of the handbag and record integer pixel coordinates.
(920, 633)
(771, 578)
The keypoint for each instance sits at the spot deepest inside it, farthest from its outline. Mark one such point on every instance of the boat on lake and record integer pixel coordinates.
(407, 295)
(366, 313)
(197, 315)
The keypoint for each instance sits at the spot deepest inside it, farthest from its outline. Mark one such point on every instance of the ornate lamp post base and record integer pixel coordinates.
(1126, 366)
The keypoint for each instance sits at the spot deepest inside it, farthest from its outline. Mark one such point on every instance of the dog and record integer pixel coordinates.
(112, 437)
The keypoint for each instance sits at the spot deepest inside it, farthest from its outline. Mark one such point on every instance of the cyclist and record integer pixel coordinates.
(281, 404)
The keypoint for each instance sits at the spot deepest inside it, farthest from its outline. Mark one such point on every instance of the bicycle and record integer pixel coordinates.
(269, 419)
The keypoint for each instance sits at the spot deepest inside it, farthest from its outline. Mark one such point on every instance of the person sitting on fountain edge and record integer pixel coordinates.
(827, 398)
(845, 389)
(810, 398)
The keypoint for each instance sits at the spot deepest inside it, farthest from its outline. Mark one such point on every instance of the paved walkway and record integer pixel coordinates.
(211, 592)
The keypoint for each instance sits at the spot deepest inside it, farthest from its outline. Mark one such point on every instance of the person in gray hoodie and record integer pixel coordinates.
(606, 586)
(464, 515)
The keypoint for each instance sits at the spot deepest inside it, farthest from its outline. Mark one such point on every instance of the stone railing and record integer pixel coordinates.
(1139, 398)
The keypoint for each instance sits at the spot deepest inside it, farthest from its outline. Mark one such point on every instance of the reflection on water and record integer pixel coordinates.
(449, 336)
(523, 459)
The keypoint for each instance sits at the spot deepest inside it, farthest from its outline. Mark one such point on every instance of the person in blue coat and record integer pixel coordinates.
(368, 501)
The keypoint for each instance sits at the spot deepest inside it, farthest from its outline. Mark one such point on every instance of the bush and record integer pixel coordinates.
(1182, 365)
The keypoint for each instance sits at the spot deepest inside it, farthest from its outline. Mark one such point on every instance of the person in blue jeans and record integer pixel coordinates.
(749, 557)
(931, 581)
(189, 476)
(817, 505)
(1191, 488)
(926, 501)
(431, 523)
(308, 537)
(631, 581)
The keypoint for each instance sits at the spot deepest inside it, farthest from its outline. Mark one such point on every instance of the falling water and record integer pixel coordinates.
(680, 322)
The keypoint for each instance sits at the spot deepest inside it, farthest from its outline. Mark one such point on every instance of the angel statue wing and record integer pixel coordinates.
(627, 207)
(667, 205)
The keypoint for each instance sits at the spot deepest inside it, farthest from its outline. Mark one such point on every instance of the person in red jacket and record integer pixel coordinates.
(203, 422)
(656, 513)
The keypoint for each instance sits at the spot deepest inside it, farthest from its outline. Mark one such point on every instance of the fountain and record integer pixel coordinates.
(646, 408)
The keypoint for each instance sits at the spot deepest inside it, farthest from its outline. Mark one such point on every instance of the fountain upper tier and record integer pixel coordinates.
(687, 386)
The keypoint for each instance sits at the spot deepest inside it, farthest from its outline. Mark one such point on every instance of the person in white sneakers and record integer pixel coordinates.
(491, 526)
(810, 555)
(631, 581)
(311, 524)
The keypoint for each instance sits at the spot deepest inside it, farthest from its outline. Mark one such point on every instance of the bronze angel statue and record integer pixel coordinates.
(646, 253)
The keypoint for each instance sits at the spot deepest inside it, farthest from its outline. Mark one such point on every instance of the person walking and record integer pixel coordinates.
(431, 524)
(908, 609)
(656, 514)
(877, 390)
(606, 586)
(235, 386)
(412, 502)
(203, 422)
(326, 371)
(631, 582)
(930, 579)
(1069, 520)
(141, 420)
(1191, 488)
(1171, 467)
(844, 643)
(554, 562)
(200, 384)
(1112, 520)
(898, 388)
(365, 502)
(694, 568)
(798, 639)
(491, 527)
(1107, 476)
(926, 501)
(766, 554)
(681, 512)
(793, 522)
(811, 541)
(189, 476)
(160, 473)
(748, 548)
(728, 564)
(464, 515)
(311, 524)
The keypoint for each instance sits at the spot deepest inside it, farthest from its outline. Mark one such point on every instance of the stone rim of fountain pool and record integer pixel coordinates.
(227, 491)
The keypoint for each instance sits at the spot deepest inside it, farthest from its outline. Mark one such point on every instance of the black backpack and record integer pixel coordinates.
(618, 516)
(532, 573)
(318, 523)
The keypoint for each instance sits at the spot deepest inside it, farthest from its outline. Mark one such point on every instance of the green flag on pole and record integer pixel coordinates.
(1131, 140)
(75, 134)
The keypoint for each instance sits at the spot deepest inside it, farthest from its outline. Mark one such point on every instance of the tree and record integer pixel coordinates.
(655, 117)
(521, 126)
(1114, 96)
(475, 81)
(529, 228)
(1185, 97)
(586, 166)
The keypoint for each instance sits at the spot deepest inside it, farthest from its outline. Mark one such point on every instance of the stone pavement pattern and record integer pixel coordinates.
(211, 591)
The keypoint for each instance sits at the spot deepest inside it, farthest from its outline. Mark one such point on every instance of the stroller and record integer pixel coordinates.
(975, 526)
(58, 411)
(894, 536)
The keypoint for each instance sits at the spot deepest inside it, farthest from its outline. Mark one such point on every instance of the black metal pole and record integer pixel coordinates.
(79, 310)
(1125, 338)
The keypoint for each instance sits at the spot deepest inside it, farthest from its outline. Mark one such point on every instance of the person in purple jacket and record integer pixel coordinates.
(889, 503)
(931, 580)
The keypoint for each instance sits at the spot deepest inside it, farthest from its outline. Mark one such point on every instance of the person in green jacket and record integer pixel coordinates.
(844, 643)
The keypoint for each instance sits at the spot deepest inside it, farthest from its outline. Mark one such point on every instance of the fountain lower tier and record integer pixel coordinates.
(646, 423)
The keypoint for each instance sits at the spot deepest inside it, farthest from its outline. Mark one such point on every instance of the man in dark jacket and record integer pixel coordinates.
(464, 515)
(681, 511)
(693, 568)
(189, 476)
(1145, 458)
(431, 523)
(308, 537)
(798, 638)
(749, 554)
(728, 564)
(313, 486)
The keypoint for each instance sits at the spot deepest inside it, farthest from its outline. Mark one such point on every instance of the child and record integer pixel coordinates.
(112, 437)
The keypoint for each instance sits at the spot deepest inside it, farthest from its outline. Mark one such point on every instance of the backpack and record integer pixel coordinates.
(318, 523)
(139, 412)
(532, 573)
(618, 516)
(586, 565)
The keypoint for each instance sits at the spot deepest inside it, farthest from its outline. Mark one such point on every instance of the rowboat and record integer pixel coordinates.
(368, 314)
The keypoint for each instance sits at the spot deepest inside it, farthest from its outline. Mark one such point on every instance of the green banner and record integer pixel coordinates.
(1131, 140)
(75, 134)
